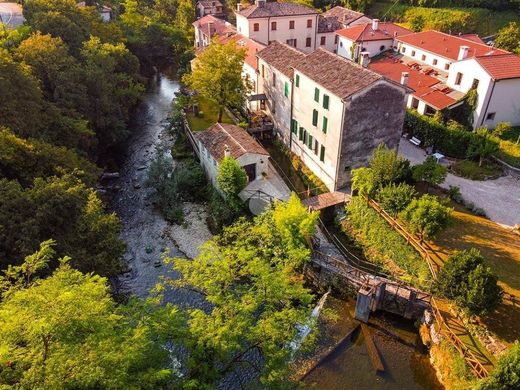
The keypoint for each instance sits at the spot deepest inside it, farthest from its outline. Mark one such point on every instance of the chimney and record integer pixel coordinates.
(364, 59)
(227, 152)
(375, 24)
(209, 28)
(463, 53)
(239, 7)
(260, 3)
(404, 78)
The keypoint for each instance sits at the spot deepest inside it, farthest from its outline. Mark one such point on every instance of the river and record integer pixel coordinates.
(147, 235)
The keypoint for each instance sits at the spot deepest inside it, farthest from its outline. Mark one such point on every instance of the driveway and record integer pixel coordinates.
(11, 14)
(499, 198)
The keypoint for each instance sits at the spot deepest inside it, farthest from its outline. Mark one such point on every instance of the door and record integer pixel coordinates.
(251, 171)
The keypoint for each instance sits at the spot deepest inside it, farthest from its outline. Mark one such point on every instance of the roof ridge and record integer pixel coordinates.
(231, 136)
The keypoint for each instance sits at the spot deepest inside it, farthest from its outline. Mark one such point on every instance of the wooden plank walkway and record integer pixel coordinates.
(328, 199)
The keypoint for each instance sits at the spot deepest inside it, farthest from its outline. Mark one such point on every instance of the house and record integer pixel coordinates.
(221, 140)
(455, 65)
(209, 7)
(334, 19)
(291, 23)
(207, 27)
(330, 111)
(370, 38)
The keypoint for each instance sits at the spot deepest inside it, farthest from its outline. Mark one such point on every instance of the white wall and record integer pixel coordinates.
(242, 25)
(260, 161)
(504, 102)
(330, 41)
(373, 47)
(430, 57)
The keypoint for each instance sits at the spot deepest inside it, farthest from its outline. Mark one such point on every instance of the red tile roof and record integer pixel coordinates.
(250, 45)
(446, 45)
(238, 141)
(272, 9)
(364, 32)
(427, 88)
(282, 57)
(218, 26)
(501, 67)
(473, 37)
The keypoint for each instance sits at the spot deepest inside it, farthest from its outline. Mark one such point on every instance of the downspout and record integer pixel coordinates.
(487, 105)
(315, 31)
(340, 145)
(269, 28)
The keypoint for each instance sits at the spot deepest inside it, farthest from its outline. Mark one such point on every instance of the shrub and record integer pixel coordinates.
(395, 198)
(223, 212)
(363, 181)
(482, 146)
(190, 182)
(388, 167)
(430, 172)
(506, 374)
(231, 177)
(426, 216)
(473, 286)
(454, 194)
(383, 243)
(471, 170)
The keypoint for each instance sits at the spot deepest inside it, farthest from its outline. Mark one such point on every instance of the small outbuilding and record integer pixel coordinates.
(221, 140)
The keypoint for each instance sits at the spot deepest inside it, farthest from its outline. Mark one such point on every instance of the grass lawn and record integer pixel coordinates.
(501, 247)
(208, 115)
(470, 170)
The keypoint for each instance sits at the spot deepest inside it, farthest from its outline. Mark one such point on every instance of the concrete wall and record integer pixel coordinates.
(372, 117)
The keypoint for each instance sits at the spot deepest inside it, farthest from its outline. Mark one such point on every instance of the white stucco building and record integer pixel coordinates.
(222, 140)
(207, 27)
(209, 7)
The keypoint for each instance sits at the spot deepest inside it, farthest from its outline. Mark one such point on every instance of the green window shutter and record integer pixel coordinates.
(322, 153)
(297, 82)
(309, 143)
(286, 89)
(294, 126)
(300, 136)
(314, 117)
(316, 95)
(325, 124)
(326, 102)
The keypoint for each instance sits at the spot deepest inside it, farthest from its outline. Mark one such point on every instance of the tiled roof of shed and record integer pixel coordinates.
(270, 9)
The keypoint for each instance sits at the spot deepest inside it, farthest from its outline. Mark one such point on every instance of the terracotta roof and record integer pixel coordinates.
(343, 15)
(218, 26)
(426, 88)
(270, 9)
(338, 75)
(472, 37)
(364, 32)
(446, 45)
(282, 57)
(210, 3)
(250, 45)
(219, 136)
(328, 24)
(501, 67)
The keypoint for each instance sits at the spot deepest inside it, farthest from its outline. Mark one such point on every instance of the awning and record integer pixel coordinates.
(260, 96)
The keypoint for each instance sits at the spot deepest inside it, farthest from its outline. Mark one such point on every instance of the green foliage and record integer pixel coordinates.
(217, 75)
(430, 172)
(426, 216)
(417, 22)
(363, 181)
(224, 212)
(395, 198)
(66, 331)
(482, 146)
(502, 130)
(471, 170)
(508, 38)
(231, 177)
(506, 375)
(383, 244)
(472, 285)
(250, 275)
(388, 167)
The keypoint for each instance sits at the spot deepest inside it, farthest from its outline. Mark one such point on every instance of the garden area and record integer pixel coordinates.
(206, 116)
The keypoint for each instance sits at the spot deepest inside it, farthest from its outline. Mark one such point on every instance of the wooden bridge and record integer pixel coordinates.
(328, 199)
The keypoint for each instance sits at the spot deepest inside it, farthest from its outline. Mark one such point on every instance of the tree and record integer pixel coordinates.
(465, 279)
(417, 23)
(217, 75)
(506, 375)
(388, 167)
(66, 331)
(430, 172)
(231, 177)
(363, 181)
(508, 38)
(251, 275)
(185, 16)
(395, 198)
(426, 216)
(482, 146)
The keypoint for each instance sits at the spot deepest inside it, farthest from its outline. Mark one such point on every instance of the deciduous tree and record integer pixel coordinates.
(231, 177)
(430, 172)
(508, 38)
(395, 198)
(426, 216)
(482, 146)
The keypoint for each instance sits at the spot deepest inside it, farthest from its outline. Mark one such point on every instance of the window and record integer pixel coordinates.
(323, 41)
(490, 116)
(382, 47)
(316, 146)
(326, 102)
(256, 27)
(475, 83)
(309, 142)
(341, 44)
(286, 89)
(309, 23)
(315, 117)
(435, 61)
(297, 81)
(294, 126)
(263, 70)
(413, 53)
(300, 135)
(308, 42)
(423, 57)
(322, 153)
(447, 67)
(291, 24)
(316, 95)
(335, 39)
(458, 78)
(325, 125)
(274, 78)
(273, 26)
(291, 42)
(403, 50)
(305, 134)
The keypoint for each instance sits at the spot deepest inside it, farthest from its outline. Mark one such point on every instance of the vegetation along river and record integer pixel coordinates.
(147, 234)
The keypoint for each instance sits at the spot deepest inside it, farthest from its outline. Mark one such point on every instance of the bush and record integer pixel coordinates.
(231, 177)
(471, 170)
(454, 194)
(473, 286)
(430, 172)
(506, 374)
(223, 212)
(395, 198)
(383, 243)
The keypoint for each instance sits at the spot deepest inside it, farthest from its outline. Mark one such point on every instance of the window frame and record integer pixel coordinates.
(273, 26)
(256, 27)
(309, 23)
(323, 41)
(324, 124)
(315, 117)
(291, 24)
(308, 42)
(316, 94)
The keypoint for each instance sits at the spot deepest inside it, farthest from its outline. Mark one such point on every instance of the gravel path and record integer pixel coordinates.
(499, 198)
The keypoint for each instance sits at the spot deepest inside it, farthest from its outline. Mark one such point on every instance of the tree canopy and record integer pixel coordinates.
(231, 177)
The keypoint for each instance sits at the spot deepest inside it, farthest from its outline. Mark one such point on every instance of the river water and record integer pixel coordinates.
(147, 235)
